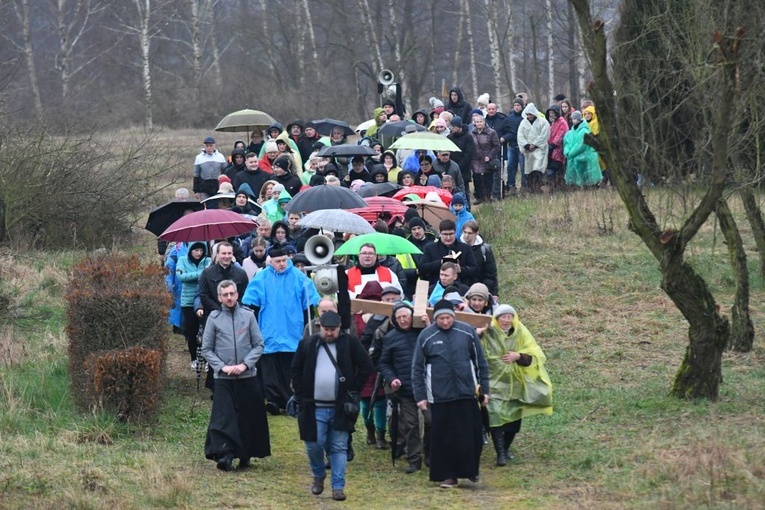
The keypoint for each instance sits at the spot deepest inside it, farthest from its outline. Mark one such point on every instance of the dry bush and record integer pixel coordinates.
(76, 190)
(114, 302)
(127, 383)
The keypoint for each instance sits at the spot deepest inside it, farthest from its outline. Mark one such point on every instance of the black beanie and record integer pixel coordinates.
(416, 222)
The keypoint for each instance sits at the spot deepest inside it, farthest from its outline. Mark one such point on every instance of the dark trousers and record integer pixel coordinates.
(409, 425)
(190, 329)
(483, 185)
(274, 370)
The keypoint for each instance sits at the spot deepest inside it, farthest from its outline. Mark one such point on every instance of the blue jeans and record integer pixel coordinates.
(336, 442)
(513, 157)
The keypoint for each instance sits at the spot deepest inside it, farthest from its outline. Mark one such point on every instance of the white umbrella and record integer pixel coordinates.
(336, 220)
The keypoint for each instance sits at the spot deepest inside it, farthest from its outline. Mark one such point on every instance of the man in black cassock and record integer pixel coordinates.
(232, 346)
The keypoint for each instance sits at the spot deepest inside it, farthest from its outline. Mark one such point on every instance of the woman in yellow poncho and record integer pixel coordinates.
(519, 384)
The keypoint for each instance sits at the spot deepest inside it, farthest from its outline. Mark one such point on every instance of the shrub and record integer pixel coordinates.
(114, 302)
(126, 382)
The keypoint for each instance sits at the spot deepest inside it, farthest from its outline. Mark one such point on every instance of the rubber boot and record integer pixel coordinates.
(371, 434)
(497, 436)
(382, 444)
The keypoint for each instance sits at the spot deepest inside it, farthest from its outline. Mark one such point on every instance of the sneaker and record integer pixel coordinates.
(194, 366)
(450, 483)
(338, 495)
(318, 486)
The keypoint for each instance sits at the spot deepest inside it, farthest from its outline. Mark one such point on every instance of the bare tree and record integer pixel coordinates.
(22, 13)
(312, 40)
(550, 52)
(642, 83)
(492, 10)
(471, 52)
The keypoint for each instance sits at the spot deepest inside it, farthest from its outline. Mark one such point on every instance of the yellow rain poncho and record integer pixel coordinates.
(516, 391)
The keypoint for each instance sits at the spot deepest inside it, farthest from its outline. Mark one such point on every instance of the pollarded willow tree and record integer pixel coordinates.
(677, 68)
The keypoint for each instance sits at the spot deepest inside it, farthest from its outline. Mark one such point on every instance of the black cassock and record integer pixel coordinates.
(238, 422)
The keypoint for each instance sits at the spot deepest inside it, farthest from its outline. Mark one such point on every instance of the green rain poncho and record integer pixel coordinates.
(516, 391)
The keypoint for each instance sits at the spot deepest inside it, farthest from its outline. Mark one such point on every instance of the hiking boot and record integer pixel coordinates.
(338, 495)
(382, 444)
(371, 435)
(414, 467)
(317, 487)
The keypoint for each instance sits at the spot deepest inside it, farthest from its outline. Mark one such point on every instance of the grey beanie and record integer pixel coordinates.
(576, 115)
(503, 309)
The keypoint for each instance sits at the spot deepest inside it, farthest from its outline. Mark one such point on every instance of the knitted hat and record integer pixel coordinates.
(278, 188)
(283, 163)
(459, 198)
(483, 98)
(436, 103)
(560, 97)
(457, 121)
(330, 319)
(443, 307)
(416, 222)
(224, 178)
(503, 309)
(478, 289)
(209, 139)
(452, 295)
(476, 111)
(518, 100)
(271, 146)
(225, 187)
(576, 115)
(440, 123)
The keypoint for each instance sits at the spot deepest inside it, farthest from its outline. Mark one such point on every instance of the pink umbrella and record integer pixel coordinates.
(379, 206)
(208, 225)
(421, 191)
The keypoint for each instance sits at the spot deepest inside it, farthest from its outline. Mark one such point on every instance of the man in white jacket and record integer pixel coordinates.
(533, 134)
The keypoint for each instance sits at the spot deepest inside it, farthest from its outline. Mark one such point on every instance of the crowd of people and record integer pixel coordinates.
(271, 343)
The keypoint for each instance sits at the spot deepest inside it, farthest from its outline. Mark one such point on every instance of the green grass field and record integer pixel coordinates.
(583, 284)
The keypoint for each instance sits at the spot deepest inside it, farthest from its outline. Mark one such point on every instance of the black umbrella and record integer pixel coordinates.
(324, 126)
(397, 128)
(165, 215)
(378, 189)
(346, 149)
(325, 197)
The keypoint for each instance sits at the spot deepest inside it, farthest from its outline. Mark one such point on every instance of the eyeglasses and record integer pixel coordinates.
(448, 234)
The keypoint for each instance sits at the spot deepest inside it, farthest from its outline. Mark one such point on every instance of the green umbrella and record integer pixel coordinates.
(385, 244)
(245, 120)
(426, 141)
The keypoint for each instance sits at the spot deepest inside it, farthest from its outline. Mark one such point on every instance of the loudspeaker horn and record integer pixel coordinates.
(325, 279)
(319, 250)
(385, 77)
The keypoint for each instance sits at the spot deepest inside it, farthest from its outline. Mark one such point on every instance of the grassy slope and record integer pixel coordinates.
(591, 298)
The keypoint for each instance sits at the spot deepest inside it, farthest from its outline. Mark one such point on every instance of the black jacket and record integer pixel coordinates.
(500, 124)
(212, 276)
(487, 268)
(255, 180)
(355, 366)
(514, 122)
(291, 182)
(430, 265)
(396, 358)
(464, 159)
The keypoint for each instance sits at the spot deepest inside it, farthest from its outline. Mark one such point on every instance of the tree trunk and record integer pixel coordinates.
(196, 49)
(29, 55)
(396, 36)
(460, 36)
(471, 46)
(214, 49)
(144, 13)
(496, 54)
(510, 68)
(316, 65)
(550, 54)
(535, 62)
(742, 330)
(700, 373)
(754, 216)
(573, 53)
(370, 34)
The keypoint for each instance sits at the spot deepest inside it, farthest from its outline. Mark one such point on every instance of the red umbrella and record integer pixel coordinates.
(421, 191)
(208, 225)
(379, 206)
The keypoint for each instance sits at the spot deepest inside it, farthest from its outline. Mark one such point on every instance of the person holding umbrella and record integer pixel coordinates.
(188, 270)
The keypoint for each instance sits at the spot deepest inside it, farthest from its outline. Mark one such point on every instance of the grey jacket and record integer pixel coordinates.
(232, 336)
